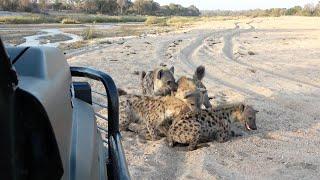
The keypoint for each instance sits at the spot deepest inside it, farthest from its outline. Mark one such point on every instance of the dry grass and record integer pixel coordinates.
(30, 19)
(160, 21)
(85, 18)
(75, 45)
(182, 21)
(120, 31)
(68, 19)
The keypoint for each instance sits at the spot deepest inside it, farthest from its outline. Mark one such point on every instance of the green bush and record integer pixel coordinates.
(90, 33)
(33, 19)
(68, 19)
(107, 19)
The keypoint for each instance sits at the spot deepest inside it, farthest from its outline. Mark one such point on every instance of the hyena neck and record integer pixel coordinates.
(232, 111)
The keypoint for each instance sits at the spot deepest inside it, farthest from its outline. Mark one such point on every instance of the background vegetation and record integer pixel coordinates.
(307, 10)
(69, 19)
(113, 11)
(110, 7)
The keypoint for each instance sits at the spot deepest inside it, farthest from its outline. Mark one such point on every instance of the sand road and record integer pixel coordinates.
(270, 63)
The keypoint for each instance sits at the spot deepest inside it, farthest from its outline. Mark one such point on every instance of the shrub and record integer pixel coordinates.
(90, 33)
(181, 21)
(69, 21)
(152, 20)
(33, 19)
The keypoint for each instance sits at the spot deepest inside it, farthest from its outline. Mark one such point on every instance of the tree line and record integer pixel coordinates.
(145, 7)
(110, 7)
(307, 10)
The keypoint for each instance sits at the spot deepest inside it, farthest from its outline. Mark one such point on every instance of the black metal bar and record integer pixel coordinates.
(111, 91)
(117, 169)
(116, 151)
(19, 55)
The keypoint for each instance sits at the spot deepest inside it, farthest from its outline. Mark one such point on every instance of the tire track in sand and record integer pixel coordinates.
(189, 53)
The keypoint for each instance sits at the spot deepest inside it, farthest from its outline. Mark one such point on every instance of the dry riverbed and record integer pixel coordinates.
(270, 63)
(76, 37)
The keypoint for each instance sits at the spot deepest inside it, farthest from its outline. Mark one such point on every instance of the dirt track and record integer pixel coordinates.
(281, 79)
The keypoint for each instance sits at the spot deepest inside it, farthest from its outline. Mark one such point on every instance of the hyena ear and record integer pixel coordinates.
(143, 74)
(199, 73)
(160, 74)
(172, 69)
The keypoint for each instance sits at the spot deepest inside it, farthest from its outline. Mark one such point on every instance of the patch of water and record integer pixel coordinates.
(101, 26)
(35, 40)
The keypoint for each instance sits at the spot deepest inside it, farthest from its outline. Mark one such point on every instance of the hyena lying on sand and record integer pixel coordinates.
(206, 125)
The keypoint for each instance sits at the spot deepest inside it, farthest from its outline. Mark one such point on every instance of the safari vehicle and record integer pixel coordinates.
(48, 124)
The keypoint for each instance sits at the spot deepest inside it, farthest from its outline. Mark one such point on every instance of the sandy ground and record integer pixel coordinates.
(281, 79)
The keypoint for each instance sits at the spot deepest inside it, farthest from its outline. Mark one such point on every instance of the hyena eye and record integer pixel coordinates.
(169, 82)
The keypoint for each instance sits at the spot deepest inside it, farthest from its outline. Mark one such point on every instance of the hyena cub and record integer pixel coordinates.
(159, 82)
(190, 84)
(206, 125)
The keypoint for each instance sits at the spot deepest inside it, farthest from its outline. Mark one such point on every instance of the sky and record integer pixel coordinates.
(238, 4)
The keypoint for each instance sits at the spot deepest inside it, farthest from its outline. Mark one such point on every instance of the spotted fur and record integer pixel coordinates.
(149, 111)
(159, 82)
(187, 85)
(206, 125)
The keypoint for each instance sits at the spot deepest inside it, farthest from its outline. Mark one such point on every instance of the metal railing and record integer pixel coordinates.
(117, 166)
(99, 116)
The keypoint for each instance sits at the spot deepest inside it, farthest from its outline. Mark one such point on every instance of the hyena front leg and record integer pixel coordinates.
(223, 136)
(194, 135)
(125, 116)
(170, 136)
(152, 130)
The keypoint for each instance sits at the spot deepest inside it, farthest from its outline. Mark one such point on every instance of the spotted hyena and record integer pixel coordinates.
(210, 124)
